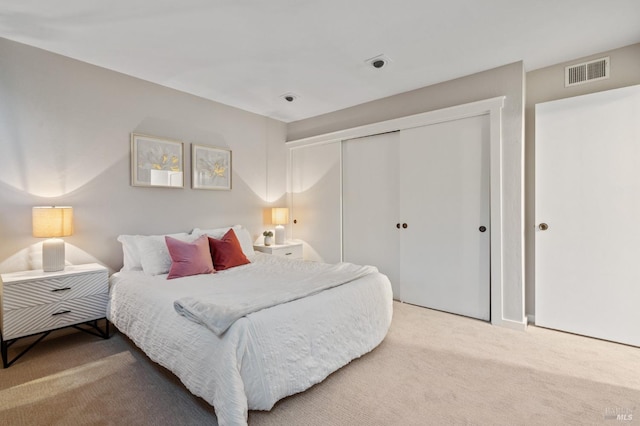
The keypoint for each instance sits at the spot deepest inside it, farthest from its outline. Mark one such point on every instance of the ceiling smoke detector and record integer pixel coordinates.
(378, 62)
(289, 97)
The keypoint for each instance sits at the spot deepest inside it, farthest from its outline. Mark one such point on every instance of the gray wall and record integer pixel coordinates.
(64, 139)
(507, 80)
(547, 84)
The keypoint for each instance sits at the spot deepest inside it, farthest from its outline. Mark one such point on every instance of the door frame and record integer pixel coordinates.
(491, 107)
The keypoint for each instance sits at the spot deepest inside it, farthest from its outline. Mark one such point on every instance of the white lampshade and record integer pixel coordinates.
(279, 217)
(52, 222)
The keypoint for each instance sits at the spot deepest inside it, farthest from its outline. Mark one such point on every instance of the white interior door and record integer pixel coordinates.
(588, 198)
(315, 201)
(370, 203)
(444, 201)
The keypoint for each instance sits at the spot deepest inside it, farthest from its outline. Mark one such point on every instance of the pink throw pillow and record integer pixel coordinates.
(227, 251)
(189, 258)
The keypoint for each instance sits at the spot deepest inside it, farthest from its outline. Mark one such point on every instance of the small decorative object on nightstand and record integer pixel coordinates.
(288, 249)
(268, 237)
(38, 302)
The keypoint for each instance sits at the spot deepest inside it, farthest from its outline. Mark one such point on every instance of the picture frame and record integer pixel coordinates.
(210, 167)
(156, 162)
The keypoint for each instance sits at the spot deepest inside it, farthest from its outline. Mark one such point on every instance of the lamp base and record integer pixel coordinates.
(53, 255)
(279, 234)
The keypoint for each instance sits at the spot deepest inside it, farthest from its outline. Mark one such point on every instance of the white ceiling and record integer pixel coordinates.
(247, 53)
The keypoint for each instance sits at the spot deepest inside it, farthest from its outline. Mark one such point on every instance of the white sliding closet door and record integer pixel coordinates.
(416, 205)
(315, 200)
(370, 203)
(444, 201)
(588, 215)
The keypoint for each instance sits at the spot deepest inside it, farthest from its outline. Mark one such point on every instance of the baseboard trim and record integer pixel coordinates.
(514, 325)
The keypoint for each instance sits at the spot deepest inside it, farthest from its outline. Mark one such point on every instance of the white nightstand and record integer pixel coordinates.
(289, 250)
(35, 302)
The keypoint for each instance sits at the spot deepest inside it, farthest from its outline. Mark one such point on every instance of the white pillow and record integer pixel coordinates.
(131, 254)
(244, 238)
(154, 254)
(216, 233)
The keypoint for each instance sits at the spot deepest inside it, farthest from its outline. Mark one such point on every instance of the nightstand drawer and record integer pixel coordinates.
(55, 289)
(31, 320)
(289, 250)
(292, 252)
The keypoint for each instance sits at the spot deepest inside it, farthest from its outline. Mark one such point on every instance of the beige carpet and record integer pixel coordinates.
(433, 368)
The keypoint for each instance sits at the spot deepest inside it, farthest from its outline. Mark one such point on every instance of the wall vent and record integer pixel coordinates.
(586, 72)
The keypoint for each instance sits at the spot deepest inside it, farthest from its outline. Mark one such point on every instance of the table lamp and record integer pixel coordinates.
(52, 223)
(279, 217)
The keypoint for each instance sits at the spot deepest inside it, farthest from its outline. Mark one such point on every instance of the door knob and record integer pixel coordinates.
(543, 226)
(404, 225)
(482, 228)
(398, 225)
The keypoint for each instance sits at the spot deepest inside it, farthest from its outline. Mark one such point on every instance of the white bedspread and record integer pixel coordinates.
(234, 297)
(263, 356)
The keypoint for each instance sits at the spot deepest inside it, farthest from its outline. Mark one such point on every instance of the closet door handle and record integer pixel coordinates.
(398, 225)
(404, 225)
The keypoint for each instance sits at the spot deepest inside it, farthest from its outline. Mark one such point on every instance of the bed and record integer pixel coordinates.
(258, 355)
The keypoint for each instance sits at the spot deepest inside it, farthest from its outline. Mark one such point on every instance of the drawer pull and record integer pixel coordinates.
(61, 289)
(66, 311)
(287, 254)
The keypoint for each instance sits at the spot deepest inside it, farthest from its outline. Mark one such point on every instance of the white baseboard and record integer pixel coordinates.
(514, 325)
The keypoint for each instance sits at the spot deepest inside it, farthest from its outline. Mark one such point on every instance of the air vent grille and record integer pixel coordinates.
(586, 72)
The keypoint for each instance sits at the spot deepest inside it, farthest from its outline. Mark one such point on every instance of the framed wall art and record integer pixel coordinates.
(210, 167)
(156, 162)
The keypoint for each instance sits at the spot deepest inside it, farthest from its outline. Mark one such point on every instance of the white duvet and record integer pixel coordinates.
(263, 356)
(231, 299)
